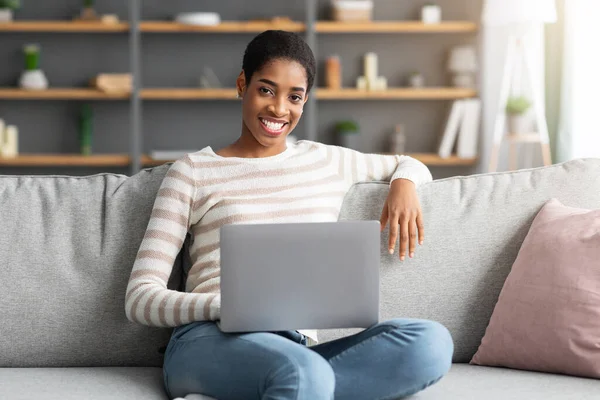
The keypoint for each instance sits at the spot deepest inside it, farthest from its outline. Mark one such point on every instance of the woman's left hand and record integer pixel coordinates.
(403, 210)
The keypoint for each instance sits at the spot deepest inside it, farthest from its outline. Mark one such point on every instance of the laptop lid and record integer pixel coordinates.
(295, 276)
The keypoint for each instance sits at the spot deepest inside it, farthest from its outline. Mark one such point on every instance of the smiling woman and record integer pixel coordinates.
(260, 178)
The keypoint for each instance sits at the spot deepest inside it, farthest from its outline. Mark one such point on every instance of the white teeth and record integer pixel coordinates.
(272, 125)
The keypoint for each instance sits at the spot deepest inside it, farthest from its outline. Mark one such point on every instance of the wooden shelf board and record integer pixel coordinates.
(66, 160)
(394, 27)
(62, 26)
(59, 94)
(188, 94)
(223, 27)
(431, 93)
(433, 160)
(150, 162)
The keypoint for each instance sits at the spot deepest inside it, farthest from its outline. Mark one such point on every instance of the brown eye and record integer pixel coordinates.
(295, 98)
(265, 90)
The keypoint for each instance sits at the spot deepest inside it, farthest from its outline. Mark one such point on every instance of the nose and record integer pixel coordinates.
(278, 107)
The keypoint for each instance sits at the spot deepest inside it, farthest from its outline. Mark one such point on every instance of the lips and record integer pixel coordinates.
(273, 127)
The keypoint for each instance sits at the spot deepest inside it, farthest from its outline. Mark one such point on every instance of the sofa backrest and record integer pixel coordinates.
(67, 246)
(474, 227)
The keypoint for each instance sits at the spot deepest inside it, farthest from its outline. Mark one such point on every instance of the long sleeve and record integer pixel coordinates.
(148, 301)
(361, 167)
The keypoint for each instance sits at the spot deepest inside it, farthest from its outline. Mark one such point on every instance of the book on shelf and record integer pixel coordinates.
(461, 130)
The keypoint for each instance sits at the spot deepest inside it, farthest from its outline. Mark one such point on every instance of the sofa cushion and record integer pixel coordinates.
(67, 246)
(474, 227)
(548, 314)
(474, 382)
(111, 383)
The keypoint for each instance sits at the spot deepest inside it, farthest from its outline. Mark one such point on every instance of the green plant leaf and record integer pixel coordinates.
(517, 105)
(348, 126)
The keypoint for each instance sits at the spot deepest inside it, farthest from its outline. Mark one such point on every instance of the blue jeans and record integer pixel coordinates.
(390, 360)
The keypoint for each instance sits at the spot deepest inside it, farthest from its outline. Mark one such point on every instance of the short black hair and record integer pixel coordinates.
(276, 44)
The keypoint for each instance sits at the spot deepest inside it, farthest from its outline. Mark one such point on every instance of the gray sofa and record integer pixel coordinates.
(67, 245)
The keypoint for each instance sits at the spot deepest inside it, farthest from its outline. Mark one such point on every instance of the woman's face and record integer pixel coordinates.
(273, 101)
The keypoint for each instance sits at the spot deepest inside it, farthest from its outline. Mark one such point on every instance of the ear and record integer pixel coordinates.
(240, 84)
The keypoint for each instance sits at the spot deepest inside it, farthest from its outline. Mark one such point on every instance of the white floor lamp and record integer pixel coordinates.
(520, 16)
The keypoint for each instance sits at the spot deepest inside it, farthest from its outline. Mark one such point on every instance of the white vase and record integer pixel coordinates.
(518, 124)
(6, 15)
(464, 80)
(431, 14)
(33, 80)
(350, 140)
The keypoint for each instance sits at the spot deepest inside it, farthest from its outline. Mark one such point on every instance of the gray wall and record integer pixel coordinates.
(176, 60)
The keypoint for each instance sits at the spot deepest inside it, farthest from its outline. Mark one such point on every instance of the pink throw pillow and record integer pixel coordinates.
(547, 317)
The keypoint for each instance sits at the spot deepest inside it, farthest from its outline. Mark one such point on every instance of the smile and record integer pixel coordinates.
(272, 127)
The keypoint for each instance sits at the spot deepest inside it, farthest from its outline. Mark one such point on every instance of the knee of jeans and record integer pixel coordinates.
(313, 372)
(433, 348)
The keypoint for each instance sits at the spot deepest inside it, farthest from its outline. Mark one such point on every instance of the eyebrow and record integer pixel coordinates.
(269, 82)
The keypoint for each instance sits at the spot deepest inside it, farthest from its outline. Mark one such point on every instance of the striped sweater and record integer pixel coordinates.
(203, 191)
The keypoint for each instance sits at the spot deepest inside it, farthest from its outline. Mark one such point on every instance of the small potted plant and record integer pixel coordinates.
(348, 133)
(33, 78)
(7, 7)
(516, 109)
(88, 13)
(431, 13)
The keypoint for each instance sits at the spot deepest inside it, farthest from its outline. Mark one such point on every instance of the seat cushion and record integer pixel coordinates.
(474, 382)
(102, 383)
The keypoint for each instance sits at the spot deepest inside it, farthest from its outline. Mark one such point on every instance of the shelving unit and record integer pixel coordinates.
(135, 27)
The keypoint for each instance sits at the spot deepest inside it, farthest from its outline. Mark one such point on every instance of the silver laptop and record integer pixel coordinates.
(292, 276)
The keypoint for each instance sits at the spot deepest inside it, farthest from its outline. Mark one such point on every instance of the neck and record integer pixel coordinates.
(247, 146)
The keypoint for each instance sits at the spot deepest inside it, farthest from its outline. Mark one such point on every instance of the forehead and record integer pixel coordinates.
(283, 72)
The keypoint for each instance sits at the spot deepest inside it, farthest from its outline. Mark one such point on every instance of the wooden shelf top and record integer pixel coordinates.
(429, 93)
(59, 94)
(394, 27)
(66, 160)
(321, 93)
(62, 26)
(188, 94)
(223, 27)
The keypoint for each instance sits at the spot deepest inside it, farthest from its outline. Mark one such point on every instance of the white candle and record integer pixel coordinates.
(11, 143)
(371, 66)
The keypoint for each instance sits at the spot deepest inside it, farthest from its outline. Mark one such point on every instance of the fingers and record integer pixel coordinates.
(384, 218)
(412, 237)
(420, 227)
(393, 234)
(404, 220)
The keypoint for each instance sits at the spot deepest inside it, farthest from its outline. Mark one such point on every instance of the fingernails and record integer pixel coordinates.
(391, 251)
(421, 242)
(412, 255)
(401, 258)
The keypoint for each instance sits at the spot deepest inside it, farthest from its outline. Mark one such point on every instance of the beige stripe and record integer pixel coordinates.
(171, 216)
(274, 172)
(148, 306)
(136, 302)
(133, 289)
(212, 288)
(172, 173)
(155, 255)
(162, 235)
(197, 268)
(207, 306)
(342, 166)
(237, 218)
(275, 200)
(177, 309)
(265, 191)
(191, 310)
(162, 308)
(138, 273)
(354, 166)
(204, 249)
(208, 277)
(175, 195)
